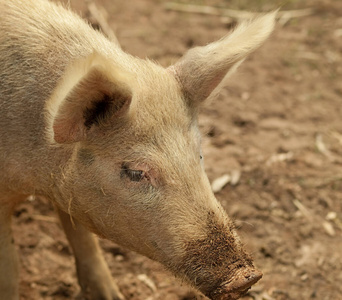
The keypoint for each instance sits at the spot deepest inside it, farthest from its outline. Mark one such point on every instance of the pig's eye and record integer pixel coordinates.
(133, 175)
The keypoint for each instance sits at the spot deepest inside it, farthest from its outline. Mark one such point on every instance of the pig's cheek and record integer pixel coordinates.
(85, 157)
(137, 190)
(104, 178)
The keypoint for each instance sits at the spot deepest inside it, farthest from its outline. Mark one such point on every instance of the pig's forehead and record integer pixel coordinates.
(164, 105)
(162, 125)
(165, 131)
(165, 148)
(163, 135)
(158, 91)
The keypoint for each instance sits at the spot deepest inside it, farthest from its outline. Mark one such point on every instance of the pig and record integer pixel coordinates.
(112, 141)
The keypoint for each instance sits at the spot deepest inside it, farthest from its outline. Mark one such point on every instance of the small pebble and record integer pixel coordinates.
(329, 228)
(220, 182)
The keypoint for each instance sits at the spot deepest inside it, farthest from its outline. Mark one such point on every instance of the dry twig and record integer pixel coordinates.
(148, 282)
(100, 18)
(275, 158)
(219, 183)
(286, 15)
(302, 209)
(283, 16)
(235, 177)
(329, 229)
(45, 218)
(321, 147)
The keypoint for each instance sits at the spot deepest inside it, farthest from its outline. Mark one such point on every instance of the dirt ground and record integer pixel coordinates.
(277, 124)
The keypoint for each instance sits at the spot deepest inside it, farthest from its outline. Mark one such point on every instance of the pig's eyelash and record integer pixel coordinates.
(133, 175)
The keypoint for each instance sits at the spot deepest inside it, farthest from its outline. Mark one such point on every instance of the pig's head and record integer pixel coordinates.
(134, 172)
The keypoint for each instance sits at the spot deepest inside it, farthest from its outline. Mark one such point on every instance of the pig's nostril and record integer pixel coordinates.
(239, 286)
(244, 281)
(250, 279)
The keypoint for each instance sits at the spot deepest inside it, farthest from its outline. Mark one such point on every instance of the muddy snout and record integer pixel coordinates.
(238, 285)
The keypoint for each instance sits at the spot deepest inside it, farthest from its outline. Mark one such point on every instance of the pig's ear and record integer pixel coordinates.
(202, 69)
(91, 92)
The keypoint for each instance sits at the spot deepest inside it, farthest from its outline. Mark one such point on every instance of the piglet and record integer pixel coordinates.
(113, 142)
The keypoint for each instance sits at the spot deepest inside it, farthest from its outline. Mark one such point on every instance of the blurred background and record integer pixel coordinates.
(272, 142)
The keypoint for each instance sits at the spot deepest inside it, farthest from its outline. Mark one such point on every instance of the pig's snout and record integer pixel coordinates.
(238, 285)
(217, 264)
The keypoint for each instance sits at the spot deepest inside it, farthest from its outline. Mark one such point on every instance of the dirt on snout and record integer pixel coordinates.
(275, 130)
(216, 261)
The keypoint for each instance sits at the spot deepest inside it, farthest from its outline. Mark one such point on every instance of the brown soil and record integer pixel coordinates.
(278, 122)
